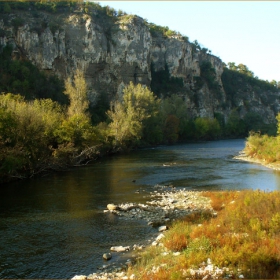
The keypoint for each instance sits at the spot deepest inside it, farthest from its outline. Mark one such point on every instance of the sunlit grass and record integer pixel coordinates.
(242, 239)
(263, 147)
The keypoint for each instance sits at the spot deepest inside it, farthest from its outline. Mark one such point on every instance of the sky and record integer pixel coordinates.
(246, 32)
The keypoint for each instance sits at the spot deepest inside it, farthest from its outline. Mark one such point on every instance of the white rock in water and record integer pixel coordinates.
(107, 256)
(162, 228)
(160, 237)
(79, 277)
(112, 207)
(120, 248)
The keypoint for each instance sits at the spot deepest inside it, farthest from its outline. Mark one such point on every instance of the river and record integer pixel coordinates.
(54, 226)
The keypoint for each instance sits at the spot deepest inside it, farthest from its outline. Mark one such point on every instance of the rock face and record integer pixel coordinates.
(113, 55)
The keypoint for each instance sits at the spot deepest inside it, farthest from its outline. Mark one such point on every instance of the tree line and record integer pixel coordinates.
(42, 134)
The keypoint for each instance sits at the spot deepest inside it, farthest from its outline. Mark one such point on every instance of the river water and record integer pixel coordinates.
(54, 227)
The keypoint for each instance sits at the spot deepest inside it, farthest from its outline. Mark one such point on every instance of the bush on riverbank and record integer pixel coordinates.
(242, 240)
(264, 147)
(41, 135)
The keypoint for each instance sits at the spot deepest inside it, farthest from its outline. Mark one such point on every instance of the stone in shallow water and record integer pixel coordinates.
(107, 256)
(79, 277)
(112, 207)
(162, 228)
(120, 248)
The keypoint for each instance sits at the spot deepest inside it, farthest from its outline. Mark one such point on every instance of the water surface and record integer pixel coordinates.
(54, 227)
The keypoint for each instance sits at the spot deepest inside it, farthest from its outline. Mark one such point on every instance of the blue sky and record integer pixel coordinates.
(245, 32)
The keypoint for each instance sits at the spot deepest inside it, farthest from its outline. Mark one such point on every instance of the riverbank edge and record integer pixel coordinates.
(244, 157)
(100, 152)
(181, 202)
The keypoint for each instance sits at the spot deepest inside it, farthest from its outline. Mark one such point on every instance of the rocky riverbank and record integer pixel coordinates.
(274, 165)
(164, 205)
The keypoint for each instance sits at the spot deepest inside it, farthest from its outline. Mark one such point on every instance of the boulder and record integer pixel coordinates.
(120, 248)
(107, 256)
(162, 228)
(112, 207)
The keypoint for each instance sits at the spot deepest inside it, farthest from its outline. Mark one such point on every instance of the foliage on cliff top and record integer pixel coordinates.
(238, 78)
(243, 239)
(164, 31)
(59, 7)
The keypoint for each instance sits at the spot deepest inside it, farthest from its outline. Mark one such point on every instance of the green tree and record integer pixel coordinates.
(235, 126)
(176, 106)
(77, 92)
(206, 128)
(274, 83)
(76, 130)
(131, 115)
(232, 66)
(171, 129)
(244, 70)
(6, 8)
(27, 134)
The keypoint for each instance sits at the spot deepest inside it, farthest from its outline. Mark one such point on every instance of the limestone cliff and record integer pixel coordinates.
(112, 55)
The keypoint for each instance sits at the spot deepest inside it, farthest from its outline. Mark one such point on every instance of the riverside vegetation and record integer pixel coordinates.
(242, 241)
(50, 125)
(213, 235)
(263, 147)
(53, 129)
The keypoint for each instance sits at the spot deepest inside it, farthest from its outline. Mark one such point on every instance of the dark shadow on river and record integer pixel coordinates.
(54, 227)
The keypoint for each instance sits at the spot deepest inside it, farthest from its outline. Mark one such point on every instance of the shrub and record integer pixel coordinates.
(263, 147)
(206, 128)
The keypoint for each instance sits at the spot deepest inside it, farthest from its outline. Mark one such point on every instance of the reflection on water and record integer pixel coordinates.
(54, 227)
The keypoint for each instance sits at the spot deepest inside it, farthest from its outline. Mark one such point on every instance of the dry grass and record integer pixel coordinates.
(176, 240)
(244, 238)
(263, 147)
